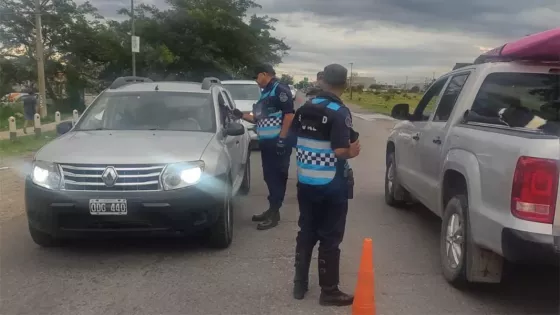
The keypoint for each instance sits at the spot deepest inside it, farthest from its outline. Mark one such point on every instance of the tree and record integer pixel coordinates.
(287, 79)
(415, 89)
(190, 40)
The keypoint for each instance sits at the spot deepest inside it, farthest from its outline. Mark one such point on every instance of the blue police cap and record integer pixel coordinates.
(335, 74)
(266, 68)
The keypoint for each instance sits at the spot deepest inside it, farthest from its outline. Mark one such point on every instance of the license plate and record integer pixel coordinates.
(108, 207)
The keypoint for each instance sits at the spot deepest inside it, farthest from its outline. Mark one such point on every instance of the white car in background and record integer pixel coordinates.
(245, 93)
(293, 90)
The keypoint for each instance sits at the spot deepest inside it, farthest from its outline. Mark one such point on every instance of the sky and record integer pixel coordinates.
(391, 40)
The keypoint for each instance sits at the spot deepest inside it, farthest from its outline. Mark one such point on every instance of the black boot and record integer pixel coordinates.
(261, 217)
(328, 280)
(271, 220)
(301, 278)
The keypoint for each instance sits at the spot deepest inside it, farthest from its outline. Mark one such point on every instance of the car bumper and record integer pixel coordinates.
(526, 247)
(67, 214)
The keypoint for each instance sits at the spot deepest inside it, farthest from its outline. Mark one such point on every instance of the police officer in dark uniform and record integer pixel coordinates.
(314, 90)
(273, 115)
(325, 141)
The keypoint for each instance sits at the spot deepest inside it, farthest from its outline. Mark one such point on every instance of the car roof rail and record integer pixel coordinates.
(460, 65)
(122, 81)
(208, 82)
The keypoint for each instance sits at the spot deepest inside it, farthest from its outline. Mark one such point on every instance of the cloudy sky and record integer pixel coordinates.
(392, 39)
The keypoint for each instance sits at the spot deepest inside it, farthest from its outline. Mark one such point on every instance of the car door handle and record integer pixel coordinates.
(237, 142)
(416, 137)
(437, 141)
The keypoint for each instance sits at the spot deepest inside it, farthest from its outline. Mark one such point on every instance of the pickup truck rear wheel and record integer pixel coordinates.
(453, 241)
(221, 233)
(395, 194)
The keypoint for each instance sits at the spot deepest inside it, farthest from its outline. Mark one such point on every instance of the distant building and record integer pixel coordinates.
(365, 81)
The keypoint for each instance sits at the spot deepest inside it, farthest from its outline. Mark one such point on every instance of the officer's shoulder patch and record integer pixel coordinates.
(348, 121)
(283, 97)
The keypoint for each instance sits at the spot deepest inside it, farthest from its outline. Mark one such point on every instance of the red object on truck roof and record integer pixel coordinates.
(544, 47)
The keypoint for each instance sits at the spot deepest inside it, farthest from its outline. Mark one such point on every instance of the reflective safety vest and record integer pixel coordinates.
(267, 115)
(316, 160)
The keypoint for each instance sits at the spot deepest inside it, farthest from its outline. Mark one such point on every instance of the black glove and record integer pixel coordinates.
(354, 135)
(237, 113)
(281, 146)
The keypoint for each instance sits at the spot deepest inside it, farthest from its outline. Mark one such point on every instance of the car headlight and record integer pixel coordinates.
(46, 175)
(180, 175)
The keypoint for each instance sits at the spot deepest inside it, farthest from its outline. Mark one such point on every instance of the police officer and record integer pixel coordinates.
(325, 141)
(273, 115)
(316, 88)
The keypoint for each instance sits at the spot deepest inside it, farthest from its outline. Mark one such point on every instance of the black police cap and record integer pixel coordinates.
(266, 68)
(335, 74)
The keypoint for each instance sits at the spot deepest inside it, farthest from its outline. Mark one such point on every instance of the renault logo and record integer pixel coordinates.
(109, 176)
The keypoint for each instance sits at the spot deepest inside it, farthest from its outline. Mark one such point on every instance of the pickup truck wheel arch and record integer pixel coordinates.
(478, 264)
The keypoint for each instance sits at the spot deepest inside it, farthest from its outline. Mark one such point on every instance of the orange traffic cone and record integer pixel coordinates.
(364, 297)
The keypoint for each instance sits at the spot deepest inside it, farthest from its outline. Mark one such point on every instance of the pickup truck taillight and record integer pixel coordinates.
(534, 190)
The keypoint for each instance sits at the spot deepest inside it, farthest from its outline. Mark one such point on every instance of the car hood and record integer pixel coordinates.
(126, 147)
(245, 105)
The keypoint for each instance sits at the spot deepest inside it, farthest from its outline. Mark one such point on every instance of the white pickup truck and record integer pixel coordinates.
(482, 151)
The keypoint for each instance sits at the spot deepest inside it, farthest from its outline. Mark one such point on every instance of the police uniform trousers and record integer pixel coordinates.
(322, 219)
(275, 171)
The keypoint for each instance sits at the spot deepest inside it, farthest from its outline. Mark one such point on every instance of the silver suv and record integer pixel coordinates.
(145, 157)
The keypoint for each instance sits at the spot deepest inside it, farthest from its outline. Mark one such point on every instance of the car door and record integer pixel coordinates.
(410, 168)
(432, 143)
(233, 142)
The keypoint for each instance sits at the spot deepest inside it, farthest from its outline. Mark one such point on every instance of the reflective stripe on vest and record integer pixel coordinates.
(270, 127)
(316, 159)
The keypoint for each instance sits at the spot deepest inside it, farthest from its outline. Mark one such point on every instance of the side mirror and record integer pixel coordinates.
(235, 129)
(63, 127)
(401, 111)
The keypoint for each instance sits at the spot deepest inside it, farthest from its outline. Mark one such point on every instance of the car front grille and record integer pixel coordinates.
(128, 177)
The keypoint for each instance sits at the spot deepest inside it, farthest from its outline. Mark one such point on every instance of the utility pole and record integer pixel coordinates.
(39, 55)
(133, 33)
(406, 84)
(351, 66)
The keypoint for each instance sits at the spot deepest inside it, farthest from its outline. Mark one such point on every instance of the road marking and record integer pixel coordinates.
(4, 168)
(373, 117)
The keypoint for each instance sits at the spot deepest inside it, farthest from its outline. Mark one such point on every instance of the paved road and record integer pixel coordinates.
(254, 275)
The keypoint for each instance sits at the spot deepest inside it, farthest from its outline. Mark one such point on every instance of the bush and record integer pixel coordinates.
(11, 109)
(377, 93)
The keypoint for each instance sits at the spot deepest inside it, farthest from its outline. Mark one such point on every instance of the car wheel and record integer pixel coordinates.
(395, 194)
(453, 241)
(221, 233)
(43, 239)
(246, 184)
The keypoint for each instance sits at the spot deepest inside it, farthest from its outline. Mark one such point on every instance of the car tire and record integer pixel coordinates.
(395, 194)
(246, 184)
(43, 239)
(221, 233)
(453, 241)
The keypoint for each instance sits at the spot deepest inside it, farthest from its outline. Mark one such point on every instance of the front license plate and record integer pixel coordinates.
(108, 207)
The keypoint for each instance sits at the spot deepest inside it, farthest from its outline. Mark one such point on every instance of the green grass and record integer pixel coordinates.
(25, 144)
(383, 102)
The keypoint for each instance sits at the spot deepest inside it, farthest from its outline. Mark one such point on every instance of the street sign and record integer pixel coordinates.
(135, 44)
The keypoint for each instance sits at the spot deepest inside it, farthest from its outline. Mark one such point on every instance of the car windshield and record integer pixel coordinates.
(244, 91)
(524, 100)
(179, 111)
